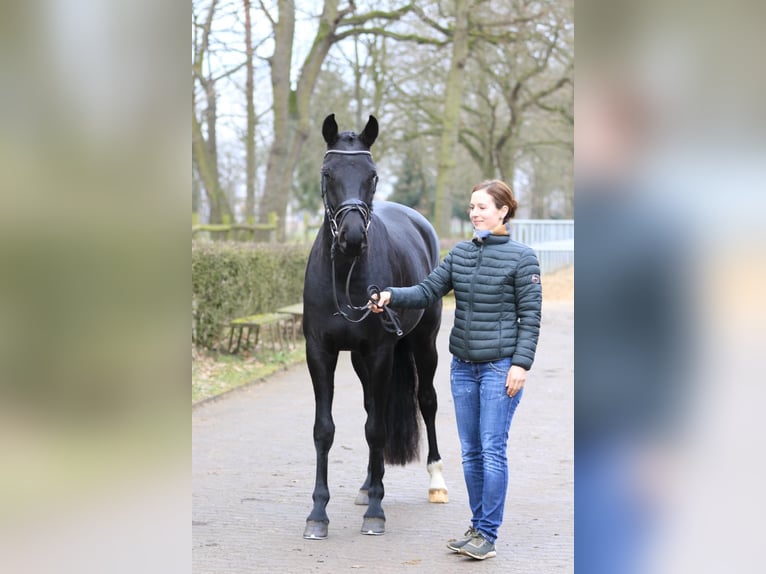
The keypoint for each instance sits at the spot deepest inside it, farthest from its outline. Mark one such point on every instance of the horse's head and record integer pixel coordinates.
(349, 179)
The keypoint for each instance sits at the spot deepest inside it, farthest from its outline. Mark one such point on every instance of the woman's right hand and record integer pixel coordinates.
(376, 304)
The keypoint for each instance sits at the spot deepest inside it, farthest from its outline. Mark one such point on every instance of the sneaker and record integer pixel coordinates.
(478, 547)
(455, 544)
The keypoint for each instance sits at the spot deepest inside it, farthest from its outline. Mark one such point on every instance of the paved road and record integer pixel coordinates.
(253, 474)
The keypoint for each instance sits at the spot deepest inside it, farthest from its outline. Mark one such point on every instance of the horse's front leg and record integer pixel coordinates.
(321, 365)
(360, 367)
(379, 369)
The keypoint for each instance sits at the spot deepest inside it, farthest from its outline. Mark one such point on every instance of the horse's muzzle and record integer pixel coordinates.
(352, 239)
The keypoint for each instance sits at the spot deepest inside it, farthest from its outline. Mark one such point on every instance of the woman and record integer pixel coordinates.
(498, 296)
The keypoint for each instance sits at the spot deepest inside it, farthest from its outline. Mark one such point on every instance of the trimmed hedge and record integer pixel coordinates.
(231, 280)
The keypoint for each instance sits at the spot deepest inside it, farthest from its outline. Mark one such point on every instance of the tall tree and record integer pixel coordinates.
(450, 128)
(204, 139)
(331, 94)
(523, 101)
(516, 95)
(251, 118)
(291, 106)
(273, 199)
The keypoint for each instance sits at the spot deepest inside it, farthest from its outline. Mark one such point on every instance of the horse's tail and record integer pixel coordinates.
(402, 420)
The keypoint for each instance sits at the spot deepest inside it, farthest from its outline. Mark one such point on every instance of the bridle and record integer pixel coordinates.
(335, 218)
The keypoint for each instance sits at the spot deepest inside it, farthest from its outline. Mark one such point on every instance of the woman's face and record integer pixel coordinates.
(483, 212)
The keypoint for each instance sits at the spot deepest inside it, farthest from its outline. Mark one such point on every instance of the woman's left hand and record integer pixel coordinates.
(515, 380)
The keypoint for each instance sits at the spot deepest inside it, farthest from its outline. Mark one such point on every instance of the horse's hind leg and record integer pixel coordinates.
(322, 368)
(426, 360)
(374, 377)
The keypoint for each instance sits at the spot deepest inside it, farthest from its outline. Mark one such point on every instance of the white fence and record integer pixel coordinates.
(554, 254)
(532, 231)
(552, 240)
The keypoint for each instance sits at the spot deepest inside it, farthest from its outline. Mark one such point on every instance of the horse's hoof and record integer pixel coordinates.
(374, 526)
(438, 495)
(315, 530)
(362, 499)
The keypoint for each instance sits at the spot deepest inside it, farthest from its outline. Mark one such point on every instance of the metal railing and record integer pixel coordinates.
(532, 231)
(554, 255)
(552, 240)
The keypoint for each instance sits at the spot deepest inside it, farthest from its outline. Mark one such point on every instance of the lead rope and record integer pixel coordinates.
(390, 321)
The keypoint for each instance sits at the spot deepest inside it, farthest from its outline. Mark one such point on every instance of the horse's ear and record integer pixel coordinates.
(330, 130)
(370, 132)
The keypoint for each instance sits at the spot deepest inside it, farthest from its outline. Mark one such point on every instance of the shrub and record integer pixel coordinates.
(231, 280)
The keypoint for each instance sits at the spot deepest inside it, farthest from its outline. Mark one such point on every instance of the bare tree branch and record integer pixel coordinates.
(537, 96)
(267, 14)
(228, 72)
(432, 23)
(374, 15)
(382, 32)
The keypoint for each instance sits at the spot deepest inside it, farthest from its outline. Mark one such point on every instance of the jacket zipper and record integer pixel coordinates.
(473, 282)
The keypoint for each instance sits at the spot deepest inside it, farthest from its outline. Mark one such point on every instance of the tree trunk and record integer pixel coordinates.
(379, 59)
(505, 159)
(274, 198)
(451, 122)
(251, 119)
(204, 161)
(357, 83)
(291, 107)
(196, 196)
(204, 151)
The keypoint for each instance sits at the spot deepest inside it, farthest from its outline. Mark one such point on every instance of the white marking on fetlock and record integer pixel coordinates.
(437, 489)
(437, 480)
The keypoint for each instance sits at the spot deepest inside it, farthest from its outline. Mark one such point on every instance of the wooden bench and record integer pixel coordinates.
(296, 314)
(253, 323)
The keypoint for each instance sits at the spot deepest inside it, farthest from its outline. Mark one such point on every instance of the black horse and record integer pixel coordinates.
(394, 355)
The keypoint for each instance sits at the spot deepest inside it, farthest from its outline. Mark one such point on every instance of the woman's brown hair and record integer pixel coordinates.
(501, 194)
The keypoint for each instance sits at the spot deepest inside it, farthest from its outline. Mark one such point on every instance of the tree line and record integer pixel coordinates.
(464, 90)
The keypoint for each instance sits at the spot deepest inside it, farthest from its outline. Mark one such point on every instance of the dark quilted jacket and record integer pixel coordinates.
(498, 297)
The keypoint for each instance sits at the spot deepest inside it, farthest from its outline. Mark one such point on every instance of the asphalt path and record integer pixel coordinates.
(254, 463)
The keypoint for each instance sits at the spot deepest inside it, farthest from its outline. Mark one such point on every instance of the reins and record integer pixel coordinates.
(389, 319)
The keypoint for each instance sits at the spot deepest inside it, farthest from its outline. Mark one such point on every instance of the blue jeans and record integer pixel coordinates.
(483, 411)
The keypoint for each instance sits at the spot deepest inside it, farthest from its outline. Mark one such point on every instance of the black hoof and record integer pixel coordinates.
(374, 526)
(315, 530)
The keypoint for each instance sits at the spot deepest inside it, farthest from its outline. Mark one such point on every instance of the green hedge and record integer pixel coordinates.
(231, 280)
